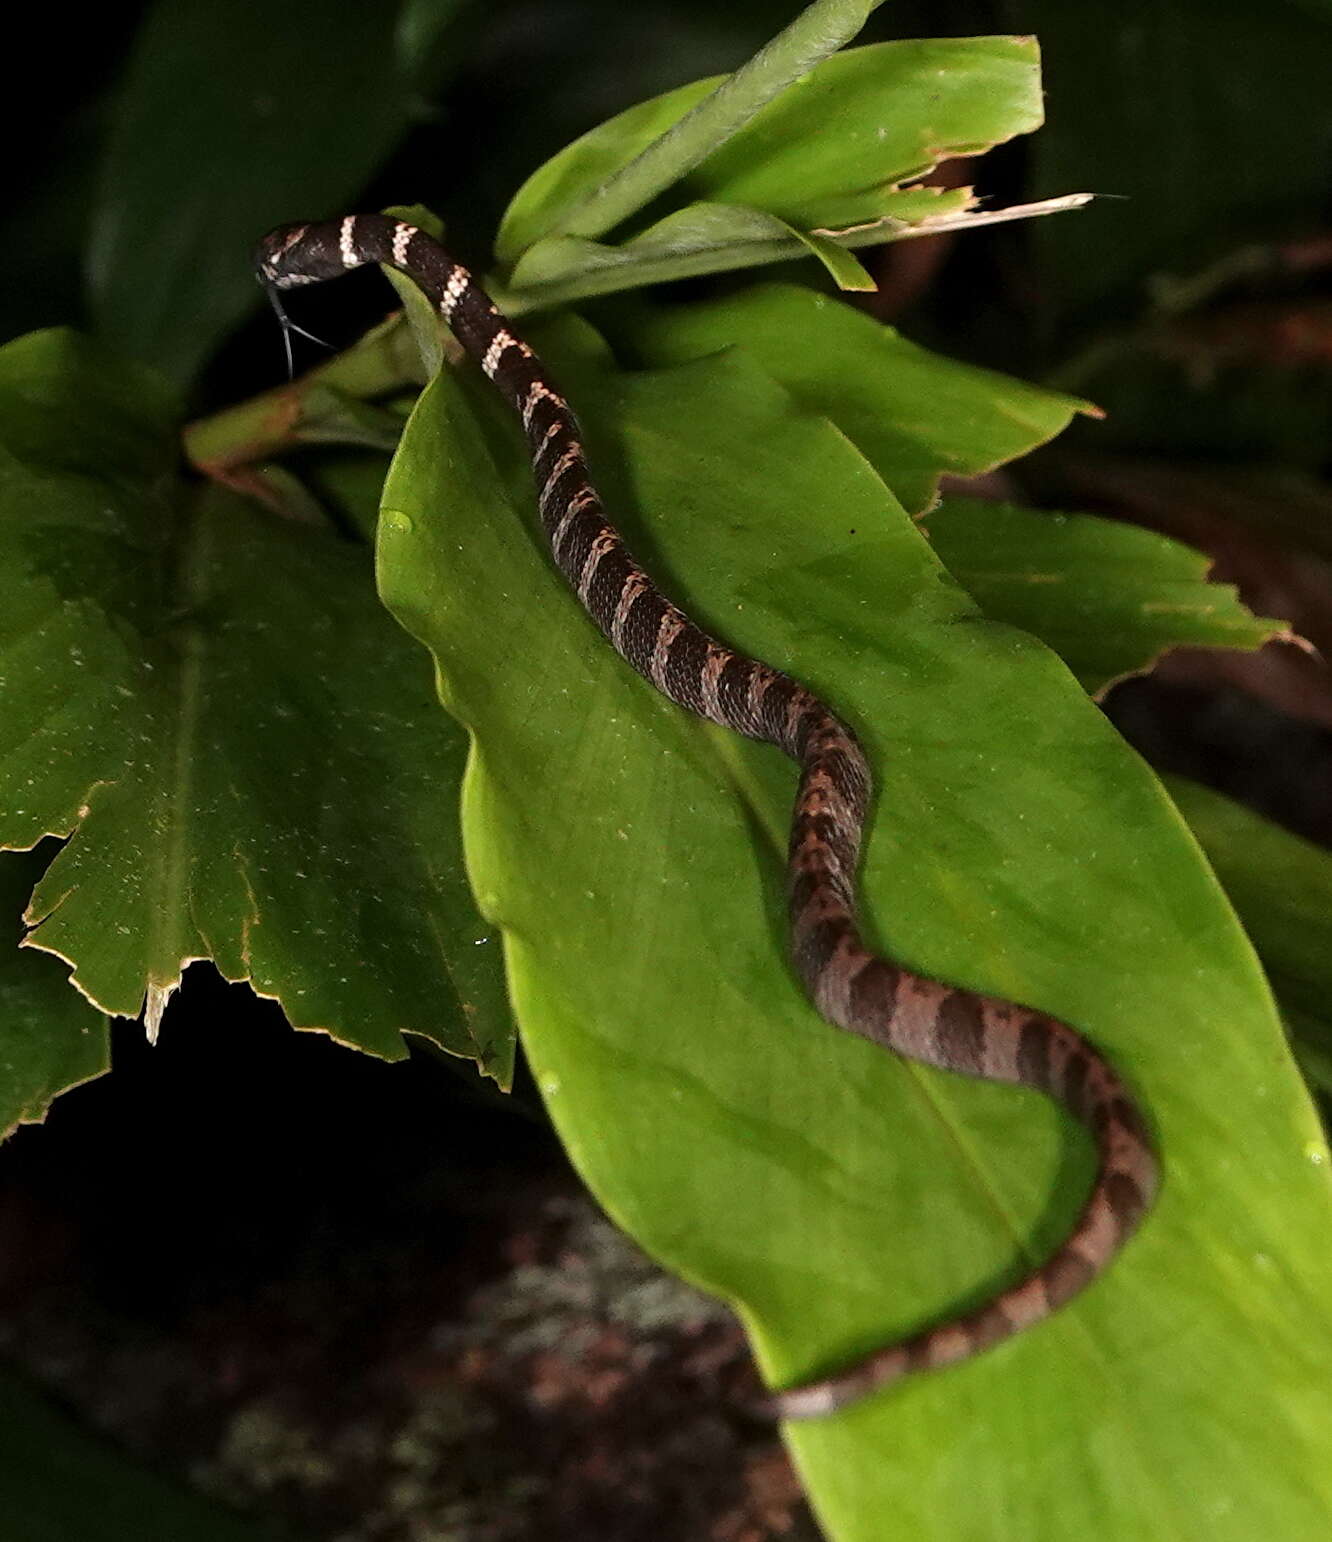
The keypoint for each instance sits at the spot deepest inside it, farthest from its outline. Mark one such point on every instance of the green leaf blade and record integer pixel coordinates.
(874, 117)
(914, 414)
(1109, 598)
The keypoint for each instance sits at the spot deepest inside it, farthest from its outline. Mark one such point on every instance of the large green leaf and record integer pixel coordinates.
(50, 1038)
(231, 119)
(59, 1484)
(632, 857)
(243, 747)
(831, 149)
(1109, 598)
(914, 414)
(1281, 887)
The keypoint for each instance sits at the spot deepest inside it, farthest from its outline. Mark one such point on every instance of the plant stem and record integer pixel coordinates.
(223, 445)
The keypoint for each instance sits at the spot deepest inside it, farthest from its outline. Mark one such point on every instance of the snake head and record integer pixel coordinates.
(273, 265)
(280, 264)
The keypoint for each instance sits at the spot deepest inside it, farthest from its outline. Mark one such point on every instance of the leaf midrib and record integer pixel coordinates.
(184, 590)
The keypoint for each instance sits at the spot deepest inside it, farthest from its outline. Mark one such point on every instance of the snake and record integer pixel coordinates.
(851, 987)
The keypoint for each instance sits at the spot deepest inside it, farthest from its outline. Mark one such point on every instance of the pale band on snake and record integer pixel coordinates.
(851, 987)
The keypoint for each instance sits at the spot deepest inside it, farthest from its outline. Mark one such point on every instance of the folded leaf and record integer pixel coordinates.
(717, 238)
(704, 238)
(846, 271)
(633, 858)
(242, 746)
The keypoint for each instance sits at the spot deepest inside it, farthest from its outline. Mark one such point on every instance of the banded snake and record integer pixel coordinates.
(852, 988)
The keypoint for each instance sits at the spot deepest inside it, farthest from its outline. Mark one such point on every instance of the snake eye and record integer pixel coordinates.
(265, 267)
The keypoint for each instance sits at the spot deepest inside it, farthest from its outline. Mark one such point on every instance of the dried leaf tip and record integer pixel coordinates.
(154, 1004)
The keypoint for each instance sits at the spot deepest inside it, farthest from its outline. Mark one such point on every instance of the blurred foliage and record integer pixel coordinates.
(247, 748)
(58, 1483)
(1209, 117)
(1282, 888)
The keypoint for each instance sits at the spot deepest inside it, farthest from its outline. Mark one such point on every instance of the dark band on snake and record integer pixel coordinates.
(851, 987)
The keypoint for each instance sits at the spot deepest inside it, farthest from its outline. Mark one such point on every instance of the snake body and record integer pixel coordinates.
(849, 985)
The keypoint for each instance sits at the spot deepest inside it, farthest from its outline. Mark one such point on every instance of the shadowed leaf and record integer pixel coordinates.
(1281, 886)
(242, 746)
(50, 1038)
(60, 1483)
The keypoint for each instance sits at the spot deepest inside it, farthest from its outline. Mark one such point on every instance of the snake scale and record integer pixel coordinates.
(850, 986)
